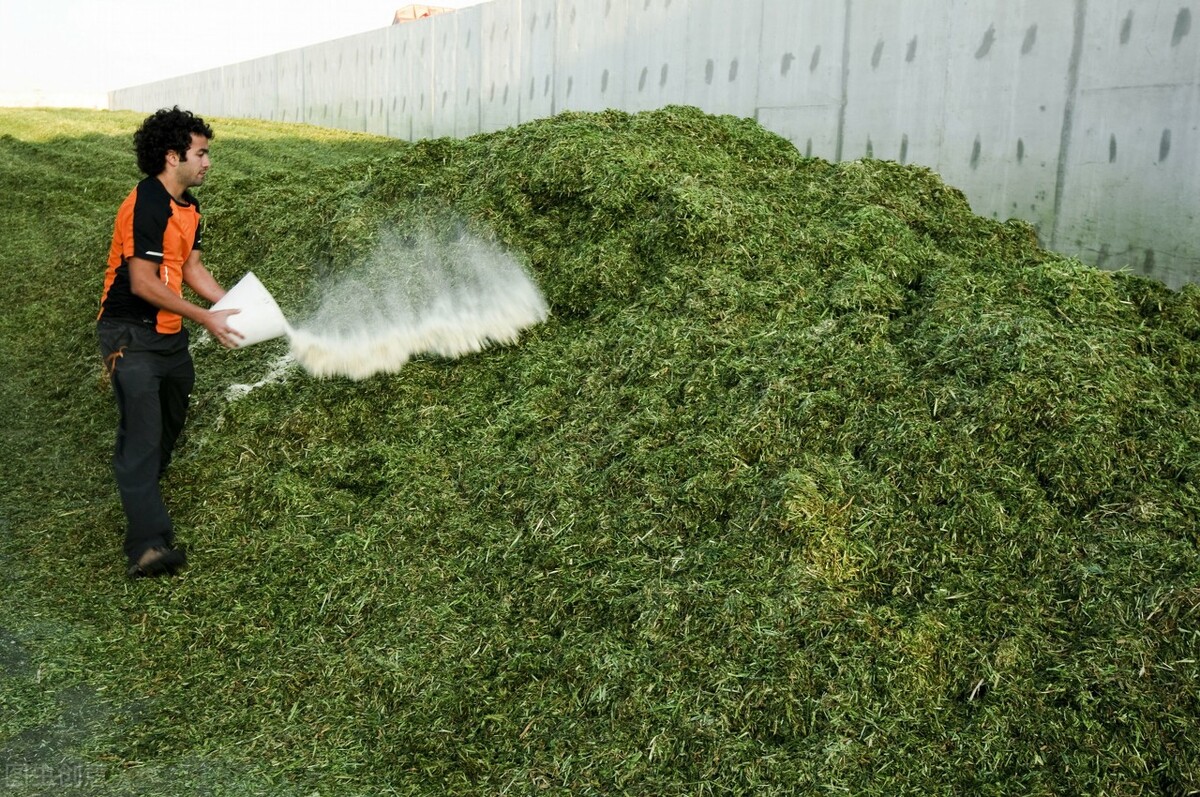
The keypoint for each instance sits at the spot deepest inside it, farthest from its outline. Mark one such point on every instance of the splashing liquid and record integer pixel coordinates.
(419, 294)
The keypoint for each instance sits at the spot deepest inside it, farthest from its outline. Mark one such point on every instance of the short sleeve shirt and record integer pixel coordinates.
(151, 225)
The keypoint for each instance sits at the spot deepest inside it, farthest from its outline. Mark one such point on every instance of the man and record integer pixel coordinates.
(155, 252)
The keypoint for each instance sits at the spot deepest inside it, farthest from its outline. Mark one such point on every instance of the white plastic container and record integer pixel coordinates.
(260, 317)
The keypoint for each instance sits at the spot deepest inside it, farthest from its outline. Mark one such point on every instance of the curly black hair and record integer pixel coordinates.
(166, 130)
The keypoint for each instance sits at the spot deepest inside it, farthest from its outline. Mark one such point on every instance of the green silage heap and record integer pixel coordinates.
(813, 480)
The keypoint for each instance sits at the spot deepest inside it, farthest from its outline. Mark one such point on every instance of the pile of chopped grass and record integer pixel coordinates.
(814, 480)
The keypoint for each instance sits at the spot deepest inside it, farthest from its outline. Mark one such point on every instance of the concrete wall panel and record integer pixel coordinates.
(445, 71)
(208, 85)
(800, 72)
(813, 130)
(404, 86)
(320, 89)
(157, 96)
(1130, 178)
(344, 82)
(467, 39)
(233, 84)
(656, 54)
(1130, 193)
(1006, 95)
(1137, 43)
(539, 33)
(800, 63)
(288, 105)
(257, 78)
(591, 54)
(724, 40)
(376, 80)
(499, 83)
(213, 88)
(896, 73)
(412, 73)
(353, 84)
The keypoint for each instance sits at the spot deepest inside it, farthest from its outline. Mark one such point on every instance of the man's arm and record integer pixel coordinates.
(196, 277)
(144, 282)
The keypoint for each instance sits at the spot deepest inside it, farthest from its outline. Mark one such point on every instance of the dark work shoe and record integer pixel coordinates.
(158, 561)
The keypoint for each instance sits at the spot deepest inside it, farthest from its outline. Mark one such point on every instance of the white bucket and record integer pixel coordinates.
(260, 317)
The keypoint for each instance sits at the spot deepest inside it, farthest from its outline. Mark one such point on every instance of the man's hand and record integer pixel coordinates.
(217, 324)
(144, 282)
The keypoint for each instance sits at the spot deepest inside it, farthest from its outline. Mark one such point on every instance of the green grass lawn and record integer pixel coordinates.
(814, 482)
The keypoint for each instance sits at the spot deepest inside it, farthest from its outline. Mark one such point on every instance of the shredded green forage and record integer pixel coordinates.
(812, 482)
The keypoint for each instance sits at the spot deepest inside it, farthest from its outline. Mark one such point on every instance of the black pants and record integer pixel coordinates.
(152, 378)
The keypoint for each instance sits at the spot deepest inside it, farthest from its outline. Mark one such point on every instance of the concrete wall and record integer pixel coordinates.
(1079, 116)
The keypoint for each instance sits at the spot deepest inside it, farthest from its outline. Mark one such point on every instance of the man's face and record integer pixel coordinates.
(191, 170)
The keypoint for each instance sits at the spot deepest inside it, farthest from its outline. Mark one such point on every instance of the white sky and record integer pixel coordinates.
(82, 48)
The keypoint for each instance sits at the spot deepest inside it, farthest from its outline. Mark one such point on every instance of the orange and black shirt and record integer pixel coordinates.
(153, 226)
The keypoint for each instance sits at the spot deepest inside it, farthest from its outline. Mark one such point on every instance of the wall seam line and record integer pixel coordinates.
(841, 127)
(1064, 145)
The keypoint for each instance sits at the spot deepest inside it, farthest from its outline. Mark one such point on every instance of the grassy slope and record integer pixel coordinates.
(813, 480)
